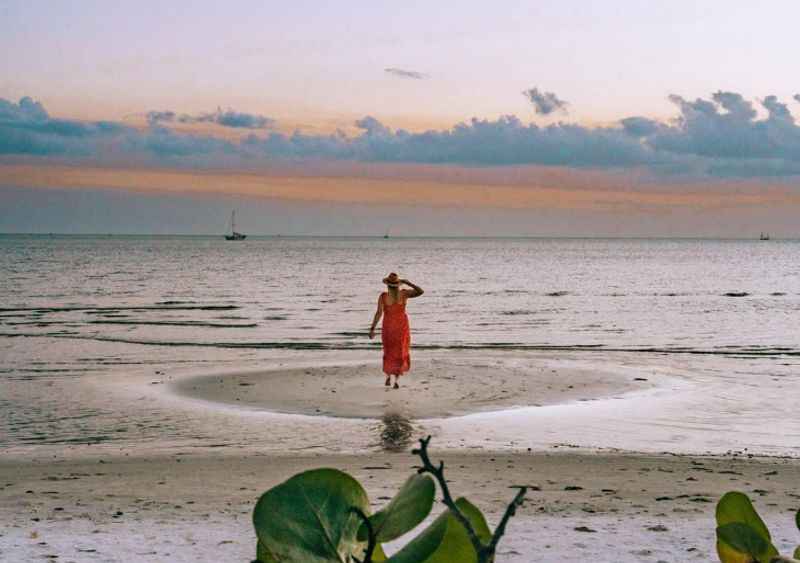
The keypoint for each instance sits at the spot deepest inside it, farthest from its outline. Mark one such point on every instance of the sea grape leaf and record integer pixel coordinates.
(409, 507)
(796, 553)
(797, 519)
(729, 555)
(378, 555)
(308, 518)
(446, 540)
(744, 539)
(263, 555)
(735, 507)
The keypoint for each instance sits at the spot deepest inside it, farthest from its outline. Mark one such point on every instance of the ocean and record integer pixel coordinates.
(73, 306)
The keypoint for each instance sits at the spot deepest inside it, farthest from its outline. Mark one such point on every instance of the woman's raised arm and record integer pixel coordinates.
(416, 290)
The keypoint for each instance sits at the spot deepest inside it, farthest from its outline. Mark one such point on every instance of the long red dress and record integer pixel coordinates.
(396, 337)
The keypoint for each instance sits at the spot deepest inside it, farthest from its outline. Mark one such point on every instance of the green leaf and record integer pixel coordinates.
(744, 539)
(407, 509)
(307, 519)
(736, 507)
(796, 553)
(445, 540)
(263, 555)
(378, 556)
(797, 520)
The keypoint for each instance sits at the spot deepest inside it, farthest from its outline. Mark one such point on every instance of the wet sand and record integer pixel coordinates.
(188, 460)
(437, 388)
(190, 506)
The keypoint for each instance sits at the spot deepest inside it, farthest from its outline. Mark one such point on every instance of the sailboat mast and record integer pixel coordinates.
(233, 221)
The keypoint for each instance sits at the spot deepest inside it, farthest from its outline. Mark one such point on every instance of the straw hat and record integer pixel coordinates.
(392, 280)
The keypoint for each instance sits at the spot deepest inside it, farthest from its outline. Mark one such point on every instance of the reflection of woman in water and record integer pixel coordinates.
(395, 333)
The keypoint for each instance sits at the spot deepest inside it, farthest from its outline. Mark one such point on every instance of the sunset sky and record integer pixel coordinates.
(564, 118)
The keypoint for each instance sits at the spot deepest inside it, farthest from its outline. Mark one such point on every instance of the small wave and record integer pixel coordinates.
(743, 351)
(736, 294)
(557, 293)
(175, 323)
(40, 310)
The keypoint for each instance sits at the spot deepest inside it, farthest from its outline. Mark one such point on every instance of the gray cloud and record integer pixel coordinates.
(156, 117)
(402, 73)
(721, 136)
(544, 103)
(27, 128)
(227, 118)
(796, 98)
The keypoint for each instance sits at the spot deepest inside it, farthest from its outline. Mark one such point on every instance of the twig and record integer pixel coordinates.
(486, 552)
(510, 511)
(438, 473)
(372, 539)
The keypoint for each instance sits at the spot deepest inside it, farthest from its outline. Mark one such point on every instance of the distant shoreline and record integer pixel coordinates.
(417, 237)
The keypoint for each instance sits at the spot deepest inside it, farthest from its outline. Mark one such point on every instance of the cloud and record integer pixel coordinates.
(796, 98)
(27, 128)
(402, 73)
(156, 117)
(545, 103)
(25, 110)
(721, 136)
(227, 118)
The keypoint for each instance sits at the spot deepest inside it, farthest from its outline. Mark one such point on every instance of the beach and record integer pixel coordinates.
(144, 411)
(191, 499)
(196, 506)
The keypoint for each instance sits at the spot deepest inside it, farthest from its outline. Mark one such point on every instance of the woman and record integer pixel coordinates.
(395, 333)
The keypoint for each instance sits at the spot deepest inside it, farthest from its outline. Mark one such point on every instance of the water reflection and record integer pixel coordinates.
(396, 432)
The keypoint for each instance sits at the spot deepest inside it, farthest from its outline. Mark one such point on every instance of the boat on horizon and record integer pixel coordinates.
(764, 236)
(234, 235)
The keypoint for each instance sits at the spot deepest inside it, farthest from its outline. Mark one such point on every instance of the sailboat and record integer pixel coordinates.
(234, 235)
(764, 236)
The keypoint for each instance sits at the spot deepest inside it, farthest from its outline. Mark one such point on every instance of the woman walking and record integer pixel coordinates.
(395, 332)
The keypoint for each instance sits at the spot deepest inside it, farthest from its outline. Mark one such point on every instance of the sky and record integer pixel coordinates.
(562, 118)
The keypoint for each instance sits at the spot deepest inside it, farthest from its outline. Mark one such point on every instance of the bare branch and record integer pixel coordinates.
(485, 553)
(510, 511)
(438, 473)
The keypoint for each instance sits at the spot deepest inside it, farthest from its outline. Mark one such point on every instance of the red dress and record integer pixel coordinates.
(396, 337)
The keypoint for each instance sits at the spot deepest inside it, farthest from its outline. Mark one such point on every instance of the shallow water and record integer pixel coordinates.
(72, 307)
(726, 297)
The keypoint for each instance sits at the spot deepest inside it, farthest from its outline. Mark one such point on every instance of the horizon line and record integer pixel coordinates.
(401, 237)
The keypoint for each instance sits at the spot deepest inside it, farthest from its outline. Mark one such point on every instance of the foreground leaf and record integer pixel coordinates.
(263, 555)
(744, 539)
(409, 507)
(734, 508)
(307, 519)
(446, 540)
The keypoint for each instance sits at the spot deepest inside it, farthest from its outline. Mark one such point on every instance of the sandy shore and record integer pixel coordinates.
(165, 464)
(196, 507)
(436, 388)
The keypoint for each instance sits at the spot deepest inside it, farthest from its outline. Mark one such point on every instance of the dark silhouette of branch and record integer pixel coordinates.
(486, 552)
(371, 541)
(438, 474)
(510, 511)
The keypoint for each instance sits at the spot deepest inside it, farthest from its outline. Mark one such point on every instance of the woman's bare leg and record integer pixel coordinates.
(396, 381)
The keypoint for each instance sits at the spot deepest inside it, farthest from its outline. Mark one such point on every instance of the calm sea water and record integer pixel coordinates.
(670, 295)
(72, 306)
